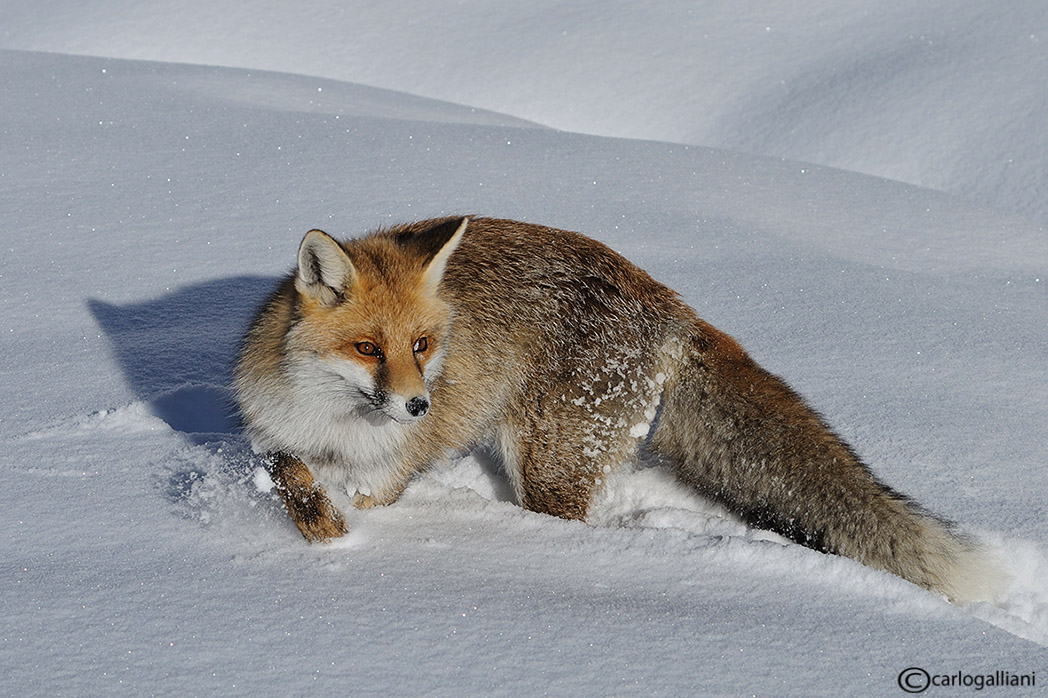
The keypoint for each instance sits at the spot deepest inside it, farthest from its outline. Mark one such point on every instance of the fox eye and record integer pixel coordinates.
(368, 349)
(421, 344)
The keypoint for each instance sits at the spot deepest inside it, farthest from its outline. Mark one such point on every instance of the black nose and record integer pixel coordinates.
(417, 406)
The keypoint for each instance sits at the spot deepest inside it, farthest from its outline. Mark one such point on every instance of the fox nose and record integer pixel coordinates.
(417, 406)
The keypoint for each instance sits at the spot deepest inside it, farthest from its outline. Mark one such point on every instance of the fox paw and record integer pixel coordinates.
(365, 501)
(316, 517)
(306, 503)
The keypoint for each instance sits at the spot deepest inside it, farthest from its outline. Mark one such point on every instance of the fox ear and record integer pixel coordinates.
(434, 270)
(324, 268)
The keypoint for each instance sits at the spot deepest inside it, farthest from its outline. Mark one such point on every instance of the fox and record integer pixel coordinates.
(380, 356)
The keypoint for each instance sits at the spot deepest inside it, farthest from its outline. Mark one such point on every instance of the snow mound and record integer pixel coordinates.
(943, 94)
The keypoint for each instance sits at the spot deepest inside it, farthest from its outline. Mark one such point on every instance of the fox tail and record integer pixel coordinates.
(741, 436)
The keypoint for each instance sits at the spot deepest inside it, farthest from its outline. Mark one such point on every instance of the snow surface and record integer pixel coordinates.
(947, 94)
(147, 208)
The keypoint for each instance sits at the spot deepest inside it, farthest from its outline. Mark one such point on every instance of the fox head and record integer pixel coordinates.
(372, 328)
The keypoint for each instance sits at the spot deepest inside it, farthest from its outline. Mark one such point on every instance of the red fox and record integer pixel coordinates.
(379, 356)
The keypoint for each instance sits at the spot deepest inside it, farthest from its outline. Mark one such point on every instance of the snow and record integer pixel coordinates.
(148, 205)
(942, 94)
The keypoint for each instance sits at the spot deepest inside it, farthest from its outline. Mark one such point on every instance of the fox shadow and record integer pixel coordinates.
(177, 351)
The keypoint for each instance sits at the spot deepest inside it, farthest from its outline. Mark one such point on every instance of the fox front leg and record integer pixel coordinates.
(305, 500)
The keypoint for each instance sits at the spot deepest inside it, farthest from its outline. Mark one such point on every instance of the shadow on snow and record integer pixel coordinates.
(177, 352)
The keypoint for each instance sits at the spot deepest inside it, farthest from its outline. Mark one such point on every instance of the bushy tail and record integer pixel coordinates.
(742, 437)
